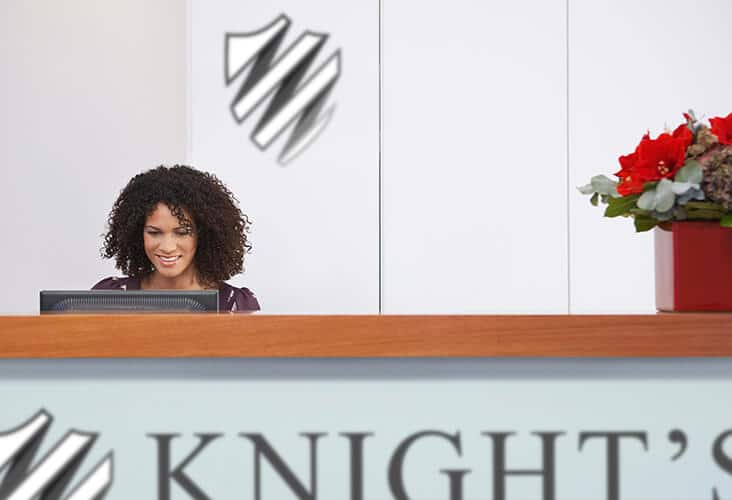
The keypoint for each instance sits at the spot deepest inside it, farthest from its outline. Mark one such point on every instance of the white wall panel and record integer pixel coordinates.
(474, 181)
(474, 157)
(315, 230)
(634, 66)
(92, 93)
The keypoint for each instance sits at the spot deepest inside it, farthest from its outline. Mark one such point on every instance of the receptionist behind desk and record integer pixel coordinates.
(178, 228)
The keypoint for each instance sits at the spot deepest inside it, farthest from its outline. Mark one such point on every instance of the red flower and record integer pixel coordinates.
(722, 128)
(653, 160)
(630, 181)
(630, 185)
(663, 157)
(684, 133)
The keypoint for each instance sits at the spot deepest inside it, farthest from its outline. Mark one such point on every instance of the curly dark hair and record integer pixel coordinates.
(220, 225)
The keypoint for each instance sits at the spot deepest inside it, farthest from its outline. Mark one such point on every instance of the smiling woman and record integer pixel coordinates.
(178, 229)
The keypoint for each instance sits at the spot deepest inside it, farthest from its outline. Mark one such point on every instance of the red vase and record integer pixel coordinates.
(693, 267)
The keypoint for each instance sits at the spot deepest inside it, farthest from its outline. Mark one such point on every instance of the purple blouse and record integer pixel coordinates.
(231, 299)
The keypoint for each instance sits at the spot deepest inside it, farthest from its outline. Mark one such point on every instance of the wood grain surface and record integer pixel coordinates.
(164, 336)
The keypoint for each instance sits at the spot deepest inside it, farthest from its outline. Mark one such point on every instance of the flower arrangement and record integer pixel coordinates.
(684, 174)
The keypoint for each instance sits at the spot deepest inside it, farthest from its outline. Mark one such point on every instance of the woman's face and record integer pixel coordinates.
(170, 246)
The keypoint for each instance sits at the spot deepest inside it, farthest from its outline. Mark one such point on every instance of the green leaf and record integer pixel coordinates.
(640, 212)
(620, 206)
(726, 221)
(664, 196)
(680, 188)
(704, 205)
(594, 198)
(690, 172)
(647, 200)
(704, 215)
(604, 185)
(586, 189)
(644, 223)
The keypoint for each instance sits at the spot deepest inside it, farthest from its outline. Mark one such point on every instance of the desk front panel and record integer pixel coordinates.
(379, 429)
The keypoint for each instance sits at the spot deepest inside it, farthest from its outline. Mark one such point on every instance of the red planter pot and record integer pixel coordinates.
(693, 267)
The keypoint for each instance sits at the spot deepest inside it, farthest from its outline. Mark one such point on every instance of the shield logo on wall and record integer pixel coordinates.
(293, 98)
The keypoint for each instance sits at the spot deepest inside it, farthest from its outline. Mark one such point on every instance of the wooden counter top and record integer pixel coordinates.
(164, 336)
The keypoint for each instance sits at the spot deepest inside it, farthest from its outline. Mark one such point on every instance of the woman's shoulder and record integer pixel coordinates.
(118, 283)
(236, 299)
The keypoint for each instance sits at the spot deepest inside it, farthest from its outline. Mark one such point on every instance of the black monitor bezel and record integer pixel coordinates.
(209, 299)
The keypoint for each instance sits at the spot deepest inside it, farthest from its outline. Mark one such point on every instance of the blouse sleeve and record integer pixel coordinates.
(115, 283)
(106, 284)
(246, 301)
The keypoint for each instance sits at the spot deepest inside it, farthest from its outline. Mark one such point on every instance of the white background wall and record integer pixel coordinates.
(491, 114)
(93, 92)
(474, 158)
(634, 66)
(316, 226)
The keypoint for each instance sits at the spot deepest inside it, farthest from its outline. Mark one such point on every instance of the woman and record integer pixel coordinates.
(178, 229)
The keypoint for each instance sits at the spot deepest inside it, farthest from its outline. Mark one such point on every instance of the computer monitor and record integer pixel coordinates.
(135, 301)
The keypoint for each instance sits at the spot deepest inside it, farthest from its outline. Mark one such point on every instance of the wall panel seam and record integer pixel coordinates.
(568, 184)
(380, 134)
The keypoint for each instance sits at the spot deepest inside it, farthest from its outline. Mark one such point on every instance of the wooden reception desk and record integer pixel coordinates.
(182, 336)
